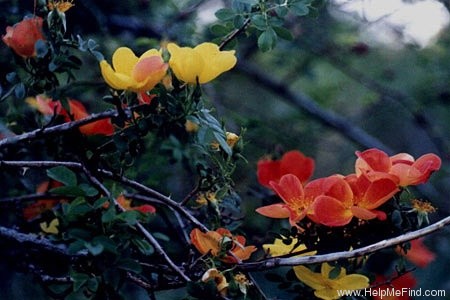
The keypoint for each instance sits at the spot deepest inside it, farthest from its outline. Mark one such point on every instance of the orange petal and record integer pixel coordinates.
(362, 213)
(267, 171)
(372, 160)
(419, 254)
(206, 242)
(146, 208)
(378, 192)
(331, 212)
(290, 189)
(295, 162)
(279, 211)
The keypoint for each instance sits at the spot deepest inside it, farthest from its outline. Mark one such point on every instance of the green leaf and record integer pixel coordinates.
(219, 30)
(222, 142)
(107, 243)
(76, 247)
(79, 279)
(283, 33)
(109, 215)
(41, 48)
(100, 202)
(260, 22)
(129, 264)
(225, 14)
(94, 248)
(72, 191)
(267, 40)
(63, 175)
(143, 246)
(89, 191)
(19, 90)
(238, 21)
(299, 8)
(130, 217)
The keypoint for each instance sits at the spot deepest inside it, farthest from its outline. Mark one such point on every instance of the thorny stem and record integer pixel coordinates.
(313, 259)
(96, 182)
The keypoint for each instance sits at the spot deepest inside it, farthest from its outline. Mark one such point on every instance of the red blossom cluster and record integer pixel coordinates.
(22, 37)
(336, 199)
(77, 111)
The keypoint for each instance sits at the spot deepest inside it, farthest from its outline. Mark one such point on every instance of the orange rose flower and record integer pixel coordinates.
(292, 162)
(400, 284)
(22, 36)
(48, 107)
(216, 243)
(408, 170)
(367, 195)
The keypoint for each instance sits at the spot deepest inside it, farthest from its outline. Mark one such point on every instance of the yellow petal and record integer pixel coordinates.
(148, 53)
(51, 228)
(218, 61)
(186, 63)
(352, 282)
(124, 60)
(327, 294)
(115, 80)
(279, 248)
(308, 277)
(148, 72)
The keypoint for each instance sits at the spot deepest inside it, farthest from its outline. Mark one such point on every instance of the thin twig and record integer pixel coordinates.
(125, 181)
(158, 248)
(234, 34)
(35, 240)
(313, 259)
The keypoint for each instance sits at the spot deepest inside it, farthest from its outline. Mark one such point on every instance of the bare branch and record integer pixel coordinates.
(313, 259)
(58, 128)
(35, 241)
(308, 105)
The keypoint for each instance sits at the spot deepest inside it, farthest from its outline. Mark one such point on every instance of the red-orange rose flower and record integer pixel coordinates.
(214, 242)
(292, 162)
(23, 36)
(367, 195)
(37, 208)
(408, 170)
(126, 204)
(298, 201)
(400, 286)
(48, 107)
(419, 254)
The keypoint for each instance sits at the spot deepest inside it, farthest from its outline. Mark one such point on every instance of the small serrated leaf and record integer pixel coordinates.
(63, 175)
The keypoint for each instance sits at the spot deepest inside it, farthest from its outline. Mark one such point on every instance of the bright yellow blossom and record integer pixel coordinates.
(327, 288)
(200, 64)
(61, 6)
(279, 248)
(129, 72)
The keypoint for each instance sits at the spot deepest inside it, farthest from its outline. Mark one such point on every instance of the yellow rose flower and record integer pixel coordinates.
(278, 248)
(327, 288)
(204, 62)
(129, 72)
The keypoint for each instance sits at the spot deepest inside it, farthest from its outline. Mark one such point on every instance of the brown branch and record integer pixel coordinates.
(158, 248)
(35, 241)
(153, 194)
(313, 259)
(37, 133)
(302, 101)
(234, 34)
